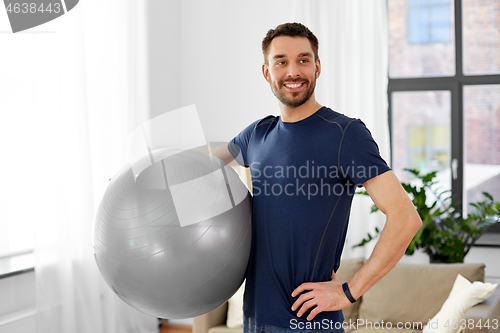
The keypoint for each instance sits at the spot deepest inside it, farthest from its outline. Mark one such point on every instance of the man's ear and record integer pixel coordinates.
(265, 72)
(318, 68)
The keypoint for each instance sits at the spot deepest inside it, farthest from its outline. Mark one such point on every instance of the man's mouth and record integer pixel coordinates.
(296, 86)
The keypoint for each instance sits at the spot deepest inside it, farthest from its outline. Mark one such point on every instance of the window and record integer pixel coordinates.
(414, 47)
(444, 93)
(429, 21)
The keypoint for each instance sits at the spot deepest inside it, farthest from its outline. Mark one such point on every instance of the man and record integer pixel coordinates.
(305, 166)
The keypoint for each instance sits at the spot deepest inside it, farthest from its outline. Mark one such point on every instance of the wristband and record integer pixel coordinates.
(347, 293)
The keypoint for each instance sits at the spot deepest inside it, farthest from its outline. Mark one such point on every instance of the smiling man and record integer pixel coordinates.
(291, 91)
(306, 165)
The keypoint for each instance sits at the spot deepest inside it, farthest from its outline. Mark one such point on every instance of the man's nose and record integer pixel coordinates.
(293, 71)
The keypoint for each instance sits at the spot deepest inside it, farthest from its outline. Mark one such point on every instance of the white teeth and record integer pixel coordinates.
(296, 85)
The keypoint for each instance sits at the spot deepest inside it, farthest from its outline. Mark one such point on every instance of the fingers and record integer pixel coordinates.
(303, 287)
(306, 301)
(313, 313)
(310, 304)
(305, 307)
(320, 296)
(302, 299)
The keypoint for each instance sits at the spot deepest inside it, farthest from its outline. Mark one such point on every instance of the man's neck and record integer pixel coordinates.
(292, 115)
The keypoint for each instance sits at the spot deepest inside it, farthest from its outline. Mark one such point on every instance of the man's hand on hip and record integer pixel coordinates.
(323, 296)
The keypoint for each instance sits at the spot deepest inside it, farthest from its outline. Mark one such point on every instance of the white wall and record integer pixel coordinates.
(208, 53)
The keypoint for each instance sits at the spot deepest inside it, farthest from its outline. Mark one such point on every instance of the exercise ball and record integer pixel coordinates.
(172, 233)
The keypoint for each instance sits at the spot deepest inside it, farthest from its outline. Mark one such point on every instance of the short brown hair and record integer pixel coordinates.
(292, 30)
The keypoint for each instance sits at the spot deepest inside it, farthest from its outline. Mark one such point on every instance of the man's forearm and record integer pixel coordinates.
(397, 234)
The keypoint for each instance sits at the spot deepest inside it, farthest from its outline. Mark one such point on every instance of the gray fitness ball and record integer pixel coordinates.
(173, 240)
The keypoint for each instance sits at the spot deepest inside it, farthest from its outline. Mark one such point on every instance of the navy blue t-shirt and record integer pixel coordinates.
(304, 175)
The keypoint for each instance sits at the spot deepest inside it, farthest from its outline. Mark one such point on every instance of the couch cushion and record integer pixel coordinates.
(346, 271)
(414, 293)
(458, 303)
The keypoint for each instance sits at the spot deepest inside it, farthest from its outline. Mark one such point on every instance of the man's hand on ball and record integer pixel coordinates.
(323, 296)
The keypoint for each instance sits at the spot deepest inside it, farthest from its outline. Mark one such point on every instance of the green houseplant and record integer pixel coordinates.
(446, 234)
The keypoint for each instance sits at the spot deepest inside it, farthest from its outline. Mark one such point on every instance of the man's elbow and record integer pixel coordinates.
(414, 222)
(408, 220)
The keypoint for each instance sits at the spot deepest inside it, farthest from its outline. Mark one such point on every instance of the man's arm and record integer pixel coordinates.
(222, 152)
(401, 225)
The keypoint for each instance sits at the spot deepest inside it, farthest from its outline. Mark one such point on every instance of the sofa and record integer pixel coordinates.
(407, 294)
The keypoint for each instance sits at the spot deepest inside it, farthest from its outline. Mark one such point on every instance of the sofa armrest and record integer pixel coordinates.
(487, 310)
(201, 324)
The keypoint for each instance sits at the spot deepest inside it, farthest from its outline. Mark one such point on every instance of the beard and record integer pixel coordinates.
(297, 98)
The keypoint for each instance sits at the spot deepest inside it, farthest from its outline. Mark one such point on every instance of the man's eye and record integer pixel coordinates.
(281, 62)
(304, 61)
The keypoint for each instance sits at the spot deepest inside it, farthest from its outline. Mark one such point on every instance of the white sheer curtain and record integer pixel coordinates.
(85, 87)
(353, 48)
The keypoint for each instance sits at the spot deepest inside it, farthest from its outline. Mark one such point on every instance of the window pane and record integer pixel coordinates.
(422, 38)
(421, 133)
(482, 142)
(481, 22)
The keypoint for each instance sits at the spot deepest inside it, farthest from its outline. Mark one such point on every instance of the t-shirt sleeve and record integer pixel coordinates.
(238, 146)
(360, 158)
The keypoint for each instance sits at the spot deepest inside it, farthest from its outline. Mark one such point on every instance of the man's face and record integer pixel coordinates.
(291, 70)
